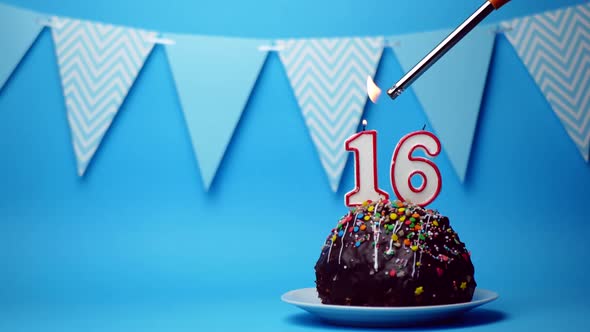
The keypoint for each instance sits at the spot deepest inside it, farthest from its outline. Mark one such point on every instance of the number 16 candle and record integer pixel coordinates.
(404, 166)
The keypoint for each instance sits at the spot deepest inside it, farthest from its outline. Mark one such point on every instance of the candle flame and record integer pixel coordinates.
(373, 90)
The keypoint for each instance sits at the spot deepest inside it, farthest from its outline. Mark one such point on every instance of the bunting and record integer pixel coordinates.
(18, 30)
(328, 77)
(213, 89)
(98, 64)
(555, 48)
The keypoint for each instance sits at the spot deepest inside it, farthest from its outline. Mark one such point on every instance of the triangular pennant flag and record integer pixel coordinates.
(98, 64)
(214, 77)
(555, 48)
(329, 78)
(450, 92)
(18, 30)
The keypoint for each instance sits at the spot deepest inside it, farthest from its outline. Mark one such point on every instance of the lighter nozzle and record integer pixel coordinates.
(395, 91)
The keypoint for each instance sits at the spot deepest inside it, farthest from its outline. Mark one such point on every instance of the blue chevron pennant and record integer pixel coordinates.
(18, 30)
(450, 92)
(555, 48)
(98, 64)
(329, 77)
(202, 67)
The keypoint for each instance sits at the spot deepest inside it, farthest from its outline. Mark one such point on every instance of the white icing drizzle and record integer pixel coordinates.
(343, 236)
(390, 245)
(331, 245)
(397, 227)
(375, 255)
(376, 237)
(342, 242)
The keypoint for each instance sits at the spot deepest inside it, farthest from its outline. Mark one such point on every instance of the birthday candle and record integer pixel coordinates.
(364, 146)
(404, 166)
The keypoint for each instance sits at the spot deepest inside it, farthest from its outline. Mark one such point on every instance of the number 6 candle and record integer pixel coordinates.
(404, 166)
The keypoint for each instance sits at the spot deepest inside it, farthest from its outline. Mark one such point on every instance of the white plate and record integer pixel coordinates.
(307, 299)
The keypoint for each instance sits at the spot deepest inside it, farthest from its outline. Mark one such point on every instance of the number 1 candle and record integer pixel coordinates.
(364, 146)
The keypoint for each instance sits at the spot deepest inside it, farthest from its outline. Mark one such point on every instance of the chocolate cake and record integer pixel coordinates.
(394, 254)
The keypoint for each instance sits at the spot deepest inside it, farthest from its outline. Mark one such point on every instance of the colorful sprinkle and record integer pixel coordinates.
(360, 216)
(435, 223)
(463, 285)
(363, 227)
(419, 290)
(371, 208)
(401, 210)
(357, 244)
(356, 229)
(340, 233)
(407, 242)
(394, 237)
(367, 218)
(414, 248)
(393, 216)
(392, 273)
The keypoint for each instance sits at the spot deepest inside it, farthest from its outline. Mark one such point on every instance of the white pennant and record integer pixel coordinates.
(98, 64)
(555, 48)
(329, 77)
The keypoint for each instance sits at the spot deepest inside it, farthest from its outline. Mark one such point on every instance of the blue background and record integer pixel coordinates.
(137, 245)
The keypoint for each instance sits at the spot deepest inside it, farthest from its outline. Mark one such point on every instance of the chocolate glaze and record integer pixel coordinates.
(427, 264)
